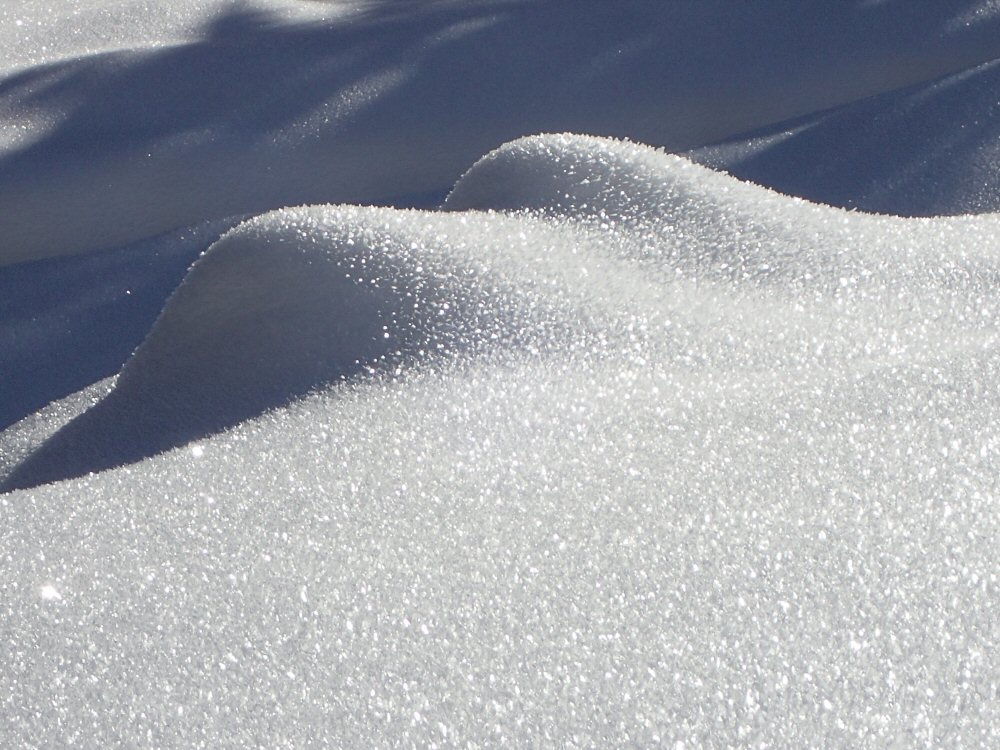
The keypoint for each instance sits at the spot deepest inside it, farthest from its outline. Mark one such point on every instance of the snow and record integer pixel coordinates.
(92, 310)
(388, 102)
(607, 449)
(898, 153)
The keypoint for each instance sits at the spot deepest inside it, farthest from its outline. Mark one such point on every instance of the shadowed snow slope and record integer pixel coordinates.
(656, 458)
(927, 150)
(67, 322)
(390, 101)
(298, 298)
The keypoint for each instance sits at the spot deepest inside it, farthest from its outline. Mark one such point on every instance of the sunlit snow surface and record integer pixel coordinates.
(650, 457)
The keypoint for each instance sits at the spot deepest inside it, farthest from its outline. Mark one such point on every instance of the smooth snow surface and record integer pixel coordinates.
(649, 457)
(927, 150)
(208, 114)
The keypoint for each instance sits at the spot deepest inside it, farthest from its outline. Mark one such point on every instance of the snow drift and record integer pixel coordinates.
(293, 300)
(612, 450)
(699, 463)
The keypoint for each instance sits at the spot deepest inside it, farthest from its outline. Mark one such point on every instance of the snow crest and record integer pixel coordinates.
(285, 303)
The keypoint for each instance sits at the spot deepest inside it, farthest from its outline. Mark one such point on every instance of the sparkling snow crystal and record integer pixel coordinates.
(648, 457)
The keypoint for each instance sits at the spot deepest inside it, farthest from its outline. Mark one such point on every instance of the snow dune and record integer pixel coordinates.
(650, 456)
(596, 447)
(298, 298)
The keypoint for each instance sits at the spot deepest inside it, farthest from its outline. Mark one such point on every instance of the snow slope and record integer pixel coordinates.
(390, 101)
(927, 150)
(599, 447)
(70, 321)
(727, 478)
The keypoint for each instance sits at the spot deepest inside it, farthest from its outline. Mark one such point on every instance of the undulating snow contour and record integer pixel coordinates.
(571, 441)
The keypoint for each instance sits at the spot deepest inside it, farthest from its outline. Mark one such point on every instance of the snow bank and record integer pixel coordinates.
(674, 214)
(666, 504)
(376, 290)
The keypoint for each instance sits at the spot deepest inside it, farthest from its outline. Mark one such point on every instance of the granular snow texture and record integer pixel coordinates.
(651, 458)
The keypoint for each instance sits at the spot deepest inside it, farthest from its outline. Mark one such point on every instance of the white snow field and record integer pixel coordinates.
(598, 447)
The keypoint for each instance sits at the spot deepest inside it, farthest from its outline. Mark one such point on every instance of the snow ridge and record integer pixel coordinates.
(648, 457)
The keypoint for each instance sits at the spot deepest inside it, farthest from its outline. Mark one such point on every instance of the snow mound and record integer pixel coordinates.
(280, 305)
(575, 174)
(591, 178)
(667, 209)
(677, 215)
(696, 465)
(300, 298)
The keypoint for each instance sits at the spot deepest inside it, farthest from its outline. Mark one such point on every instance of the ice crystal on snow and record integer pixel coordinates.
(610, 450)
(649, 456)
